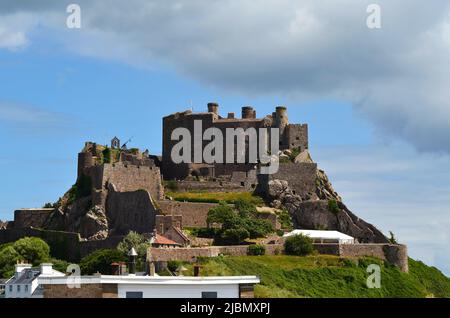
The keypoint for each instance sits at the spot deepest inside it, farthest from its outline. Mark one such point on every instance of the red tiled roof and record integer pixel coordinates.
(162, 240)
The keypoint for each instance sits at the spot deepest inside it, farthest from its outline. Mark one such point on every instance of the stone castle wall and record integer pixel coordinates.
(130, 211)
(192, 254)
(300, 176)
(31, 217)
(394, 254)
(193, 214)
(128, 178)
(212, 186)
(297, 136)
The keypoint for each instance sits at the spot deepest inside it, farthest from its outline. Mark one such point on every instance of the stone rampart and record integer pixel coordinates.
(31, 217)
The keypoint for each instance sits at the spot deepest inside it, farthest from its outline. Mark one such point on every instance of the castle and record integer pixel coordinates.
(120, 190)
(291, 136)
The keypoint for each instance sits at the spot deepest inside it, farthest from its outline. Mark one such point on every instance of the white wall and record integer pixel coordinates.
(180, 291)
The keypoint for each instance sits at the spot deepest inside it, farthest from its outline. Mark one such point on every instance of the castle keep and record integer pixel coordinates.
(292, 136)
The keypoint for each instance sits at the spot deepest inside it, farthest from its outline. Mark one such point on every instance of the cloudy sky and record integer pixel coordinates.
(376, 100)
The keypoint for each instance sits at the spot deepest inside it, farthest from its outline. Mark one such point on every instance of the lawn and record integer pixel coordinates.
(216, 197)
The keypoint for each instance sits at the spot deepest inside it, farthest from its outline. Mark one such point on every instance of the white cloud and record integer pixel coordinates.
(396, 76)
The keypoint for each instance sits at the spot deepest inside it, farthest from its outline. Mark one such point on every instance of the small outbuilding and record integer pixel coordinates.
(324, 236)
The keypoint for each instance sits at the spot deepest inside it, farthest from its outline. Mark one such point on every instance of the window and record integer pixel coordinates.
(134, 294)
(26, 288)
(18, 288)
(10, 288)
(209, 294)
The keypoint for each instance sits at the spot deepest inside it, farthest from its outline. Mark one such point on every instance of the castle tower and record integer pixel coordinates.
(281, 118)
(85, 161)
(213, 108)
(248, 112)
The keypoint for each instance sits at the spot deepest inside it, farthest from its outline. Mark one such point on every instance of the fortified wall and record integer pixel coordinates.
(31, 217)
(300, 176)
(392, 253)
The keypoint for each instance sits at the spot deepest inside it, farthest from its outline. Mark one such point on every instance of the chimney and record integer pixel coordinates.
(248, 112)
(197, 270)
(151, 269)
(230, 116)
(132, 261)
(20, 267)
(46, 268)
(213, 108)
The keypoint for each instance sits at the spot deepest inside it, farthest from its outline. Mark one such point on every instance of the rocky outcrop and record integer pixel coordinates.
(324, 189)
(321, 215)
(94, 225)
(317, 215)
(3, 225)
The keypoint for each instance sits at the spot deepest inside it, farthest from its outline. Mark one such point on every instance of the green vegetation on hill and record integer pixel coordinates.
(328, 276)
(238, 224)
(216, 197)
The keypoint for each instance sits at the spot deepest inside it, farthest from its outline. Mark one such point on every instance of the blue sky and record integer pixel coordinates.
(377, 109)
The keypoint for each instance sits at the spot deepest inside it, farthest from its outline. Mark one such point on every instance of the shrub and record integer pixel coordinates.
(392, 238)
(173, 265)
(59, 265)
(50, 205)
(285, 220)
(294, 153)
(100, 261)
(245, 207)
(333, 207)
(299, 245)
(172, 185)
(256, 250)
(106, 155)
(204, 232)
(235, 235)
(222, 213)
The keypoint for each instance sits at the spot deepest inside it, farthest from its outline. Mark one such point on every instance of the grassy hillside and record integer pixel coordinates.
(329, 276)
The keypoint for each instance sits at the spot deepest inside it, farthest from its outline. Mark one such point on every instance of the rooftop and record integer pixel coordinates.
(154, 280)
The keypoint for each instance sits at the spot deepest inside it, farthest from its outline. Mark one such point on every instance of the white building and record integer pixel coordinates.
(323, 236)
(130, 286)
(24, 283)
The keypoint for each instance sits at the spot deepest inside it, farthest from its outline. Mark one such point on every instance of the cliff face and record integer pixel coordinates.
(322, 211)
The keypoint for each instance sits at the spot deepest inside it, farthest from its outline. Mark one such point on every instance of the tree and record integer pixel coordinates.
(32, 249)
(223, 213)
(101, 260)
(8, 257)
(136, 240)
(236, 226)
(299, 245)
